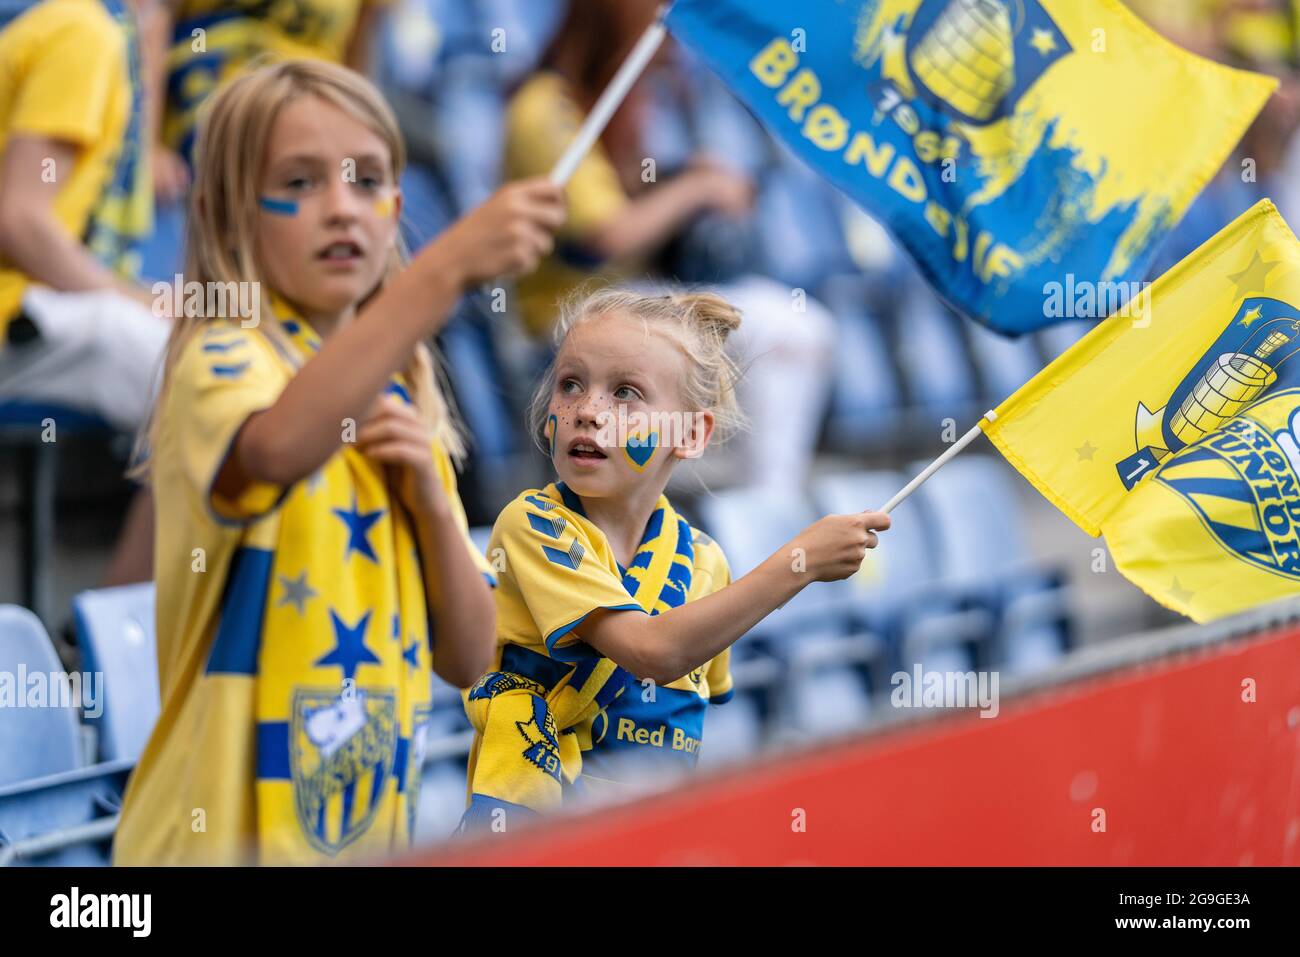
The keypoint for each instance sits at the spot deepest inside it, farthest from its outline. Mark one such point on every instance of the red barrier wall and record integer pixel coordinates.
(1186, 772)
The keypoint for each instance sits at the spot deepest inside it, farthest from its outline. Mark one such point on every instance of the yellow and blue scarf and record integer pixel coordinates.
(124, 213)
(327, 600)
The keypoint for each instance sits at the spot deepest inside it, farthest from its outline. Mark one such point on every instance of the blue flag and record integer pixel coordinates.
(1013, 147)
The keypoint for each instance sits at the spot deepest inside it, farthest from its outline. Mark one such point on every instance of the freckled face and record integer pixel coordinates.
(611, 370)
(327, 219)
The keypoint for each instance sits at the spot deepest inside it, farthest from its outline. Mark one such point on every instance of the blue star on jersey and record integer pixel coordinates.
(350, 651)
(359, 525)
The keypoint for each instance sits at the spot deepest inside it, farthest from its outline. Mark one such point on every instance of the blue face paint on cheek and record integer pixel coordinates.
(552, 430)
(641, 449)
(281, 207)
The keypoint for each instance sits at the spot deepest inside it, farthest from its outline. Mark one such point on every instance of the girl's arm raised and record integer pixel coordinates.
(664, 647)
(508, 234)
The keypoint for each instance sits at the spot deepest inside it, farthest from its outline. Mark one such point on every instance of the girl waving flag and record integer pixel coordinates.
(615, 616)
(313, 562)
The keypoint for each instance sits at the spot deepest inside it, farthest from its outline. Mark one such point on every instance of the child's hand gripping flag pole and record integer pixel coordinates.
(1175, 431)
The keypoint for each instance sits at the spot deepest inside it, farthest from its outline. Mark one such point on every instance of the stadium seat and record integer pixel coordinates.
(815, 632)
(899, 592)
(866, 397)
(1004, 363)
(35, 741)
(932, 354)
(1057, 338)
(115, 630)
(799, 233)
(442, 800)
(733, 732)
(54, 809)
(65, 819)
(982, 544)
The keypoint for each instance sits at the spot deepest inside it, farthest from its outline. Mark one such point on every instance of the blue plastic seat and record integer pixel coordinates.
(65, 819)
(936, 368)
(799, 232)
(54, 809)
(1057, 338)
(899, 593)
(37, 737)
(867, 400)
(983, 546)
(115, 629)
(733, 732)
(1004, 364)
(816, 631)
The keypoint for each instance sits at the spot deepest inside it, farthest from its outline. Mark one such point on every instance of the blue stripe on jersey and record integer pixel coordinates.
(222, 346)
(561, 557)
(239, 630)
(273, 751)
(551, 527)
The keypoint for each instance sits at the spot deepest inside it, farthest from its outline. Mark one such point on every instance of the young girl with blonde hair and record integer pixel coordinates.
(615, 616)
(313, 562)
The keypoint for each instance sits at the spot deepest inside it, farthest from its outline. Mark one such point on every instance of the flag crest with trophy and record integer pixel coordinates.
(1177, 434)
(1002, 142)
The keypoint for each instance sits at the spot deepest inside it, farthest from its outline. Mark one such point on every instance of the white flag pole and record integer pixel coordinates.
(938, 463)
(612, 98)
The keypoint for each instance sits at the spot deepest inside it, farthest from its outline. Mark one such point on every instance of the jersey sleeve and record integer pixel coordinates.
(714, 572)
(65, 92)
(553, 563)
(447, 475)
(224, 374)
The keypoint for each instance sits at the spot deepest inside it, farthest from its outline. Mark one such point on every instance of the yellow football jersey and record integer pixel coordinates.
(63, 76)
(553, 713)
(293, 636)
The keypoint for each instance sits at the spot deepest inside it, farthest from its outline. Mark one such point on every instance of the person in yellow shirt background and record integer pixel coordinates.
(76, 330)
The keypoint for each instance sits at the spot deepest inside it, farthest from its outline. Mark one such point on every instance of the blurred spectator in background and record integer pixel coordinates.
(75, 329)
(195, 44)
(623, 210)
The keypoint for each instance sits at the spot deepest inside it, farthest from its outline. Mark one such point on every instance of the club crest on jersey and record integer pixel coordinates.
(1243, 481)
(974, 59)
(1248, 361)
(341, 757)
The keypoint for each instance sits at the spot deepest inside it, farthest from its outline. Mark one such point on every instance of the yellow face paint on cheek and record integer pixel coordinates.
(385, 205)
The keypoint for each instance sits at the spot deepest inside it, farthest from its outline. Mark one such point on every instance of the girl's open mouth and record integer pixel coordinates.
(340, 252)
(586, 452)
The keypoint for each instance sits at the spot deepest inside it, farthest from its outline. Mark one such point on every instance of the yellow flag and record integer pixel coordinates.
(1173, 430)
